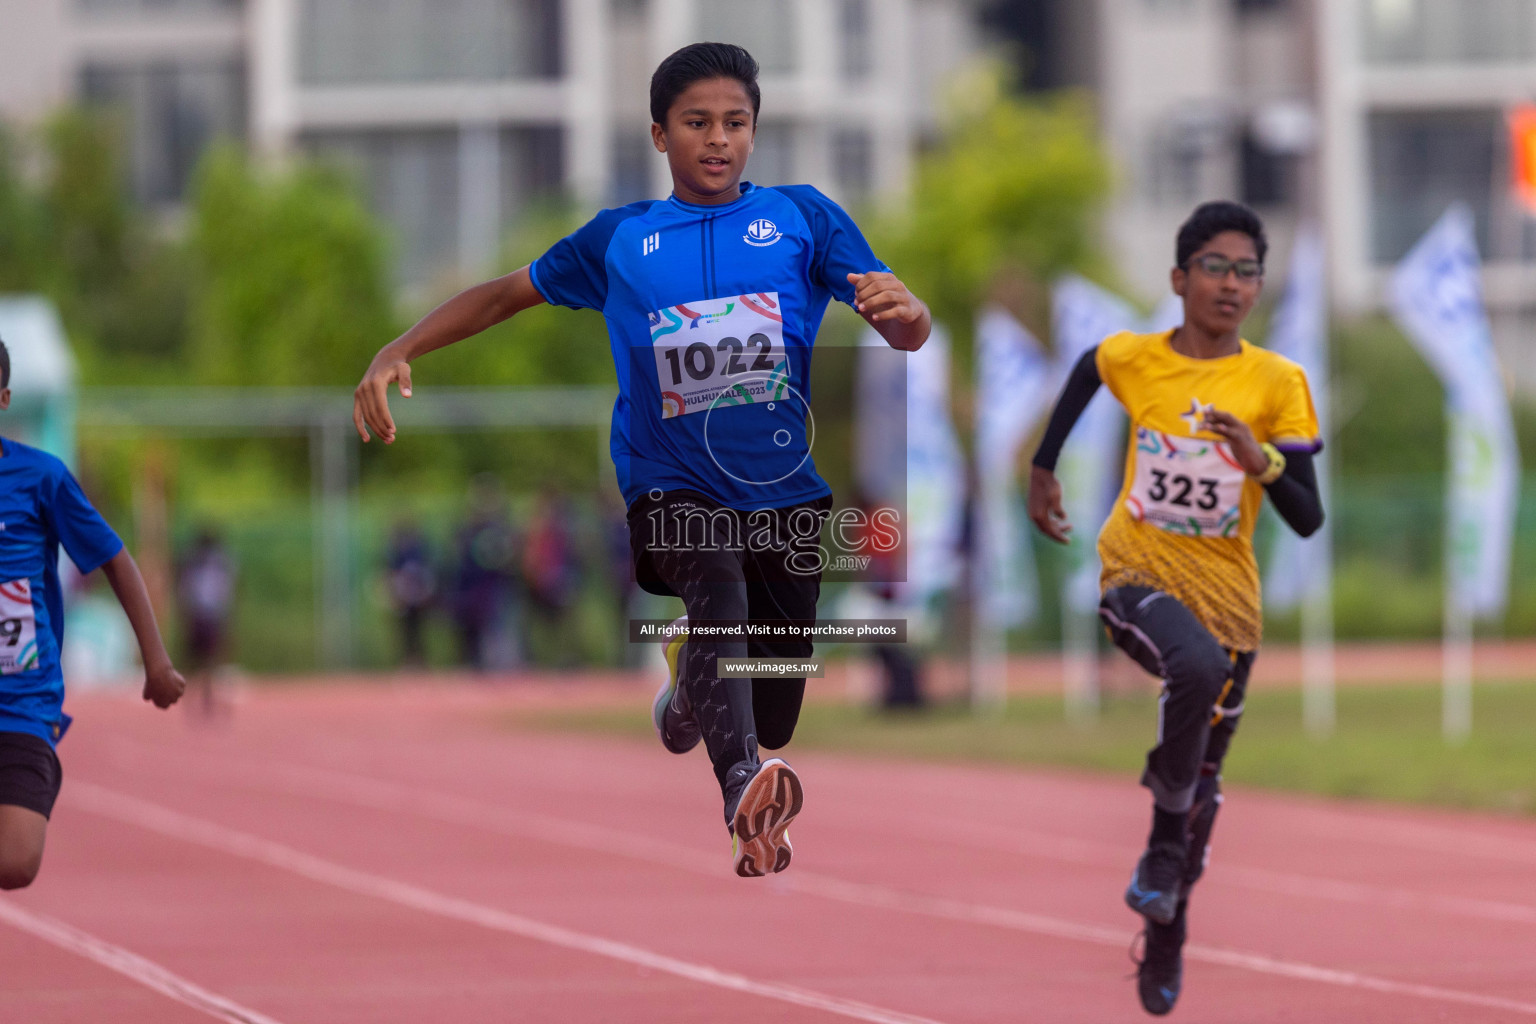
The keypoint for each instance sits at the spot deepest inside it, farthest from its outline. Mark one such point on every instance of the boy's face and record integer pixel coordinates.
(1218, 305)
(707, 138)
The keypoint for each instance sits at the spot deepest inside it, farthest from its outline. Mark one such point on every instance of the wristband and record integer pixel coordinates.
(1276, 464)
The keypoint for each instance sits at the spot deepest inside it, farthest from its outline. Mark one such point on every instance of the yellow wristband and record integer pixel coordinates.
(1276, 464)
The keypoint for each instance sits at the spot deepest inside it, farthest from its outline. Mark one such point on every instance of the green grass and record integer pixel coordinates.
(1387, 745)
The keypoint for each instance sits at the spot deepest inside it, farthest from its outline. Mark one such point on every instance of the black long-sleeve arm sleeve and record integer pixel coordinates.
(1295, 495)
(1082, 385)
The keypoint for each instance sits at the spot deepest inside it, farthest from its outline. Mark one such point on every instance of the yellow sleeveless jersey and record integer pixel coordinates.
(1183, 522)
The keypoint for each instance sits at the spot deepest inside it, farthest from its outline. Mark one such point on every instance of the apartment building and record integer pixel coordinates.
(457, 114)
(1414, 95)
(1370, 115)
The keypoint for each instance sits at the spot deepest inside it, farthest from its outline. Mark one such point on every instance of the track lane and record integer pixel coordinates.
(975, 967)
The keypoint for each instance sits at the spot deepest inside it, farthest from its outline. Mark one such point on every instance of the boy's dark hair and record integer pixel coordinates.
(699, 62)
(1210, 220)
(5, 366)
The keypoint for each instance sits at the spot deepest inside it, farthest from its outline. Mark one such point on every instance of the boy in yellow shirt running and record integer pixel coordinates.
(1215, 425)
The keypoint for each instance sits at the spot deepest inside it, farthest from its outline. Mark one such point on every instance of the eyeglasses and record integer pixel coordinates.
(1215, 265)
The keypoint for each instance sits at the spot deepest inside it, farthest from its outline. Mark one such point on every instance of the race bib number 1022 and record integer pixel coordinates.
(18, 628)
(1186, 485)
(717, 352)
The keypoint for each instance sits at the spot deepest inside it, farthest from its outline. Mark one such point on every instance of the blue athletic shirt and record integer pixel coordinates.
(712, 312)
(41, 507)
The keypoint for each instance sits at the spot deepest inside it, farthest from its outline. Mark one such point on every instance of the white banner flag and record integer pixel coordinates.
(1299, 567)
(1436, 295)
(1090, 473)
(906, 438)
(1013, 391)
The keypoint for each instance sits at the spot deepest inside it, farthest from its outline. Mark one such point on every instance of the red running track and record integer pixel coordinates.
(403, 854)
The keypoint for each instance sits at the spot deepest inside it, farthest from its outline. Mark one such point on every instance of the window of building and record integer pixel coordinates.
(1449, 31)
(1182, 153)
(532, 167)
(437, 187)
(1260, 6)
(156, 6)
(343, 42)
(411, 180)
(1268, 176)
(633, 158)
(765, 27)
(855, 55)
(853, 162)
(1420, 163)
(773, 156)
(172, 112)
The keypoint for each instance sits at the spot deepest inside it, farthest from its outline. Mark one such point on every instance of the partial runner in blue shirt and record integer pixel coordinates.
(713, 298)
(42, 509)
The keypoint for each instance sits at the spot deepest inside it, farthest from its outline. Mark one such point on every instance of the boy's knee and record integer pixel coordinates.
(1204, 670)
(772, 738)
(20, 874)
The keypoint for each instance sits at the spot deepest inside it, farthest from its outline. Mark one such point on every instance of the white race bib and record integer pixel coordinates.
(18, 628)
(1186, 485)
(719, 352)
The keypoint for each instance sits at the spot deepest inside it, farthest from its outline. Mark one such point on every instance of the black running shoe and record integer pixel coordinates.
(760, 802)
(670, 711)
(1160, 973)
(1155, 884)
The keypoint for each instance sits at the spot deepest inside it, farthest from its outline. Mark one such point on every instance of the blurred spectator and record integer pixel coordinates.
(885, 598)
(484, 597)
(412, 587)
(552, 572)
(205, 591)
(620, 565)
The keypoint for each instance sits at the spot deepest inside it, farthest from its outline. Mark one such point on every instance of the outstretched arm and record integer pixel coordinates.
(162, 683)
(899, 317)
(466, 314)
(1044, 489)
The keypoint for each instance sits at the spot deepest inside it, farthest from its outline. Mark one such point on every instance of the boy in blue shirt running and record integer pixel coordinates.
(42, 508)
(712, 298)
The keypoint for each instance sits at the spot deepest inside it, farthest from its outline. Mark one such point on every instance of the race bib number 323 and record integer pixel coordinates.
(719, 352)
(18, 628)
(1186, 485)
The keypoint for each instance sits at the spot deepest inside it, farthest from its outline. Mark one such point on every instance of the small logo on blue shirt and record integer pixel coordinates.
(652, 243)
(762, 232)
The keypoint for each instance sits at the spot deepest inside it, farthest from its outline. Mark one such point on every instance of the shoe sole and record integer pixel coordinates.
(673, 652)
(768, 804)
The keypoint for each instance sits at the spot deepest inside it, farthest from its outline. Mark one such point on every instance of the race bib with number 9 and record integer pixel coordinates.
(18, 628)
(1186, 485)
(719, 352)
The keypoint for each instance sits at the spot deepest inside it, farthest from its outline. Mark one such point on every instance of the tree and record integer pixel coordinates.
(1013, 186)
(290, 281)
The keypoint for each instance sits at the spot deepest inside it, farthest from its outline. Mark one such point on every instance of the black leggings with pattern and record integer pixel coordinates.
(727, 564)
(1203, 688)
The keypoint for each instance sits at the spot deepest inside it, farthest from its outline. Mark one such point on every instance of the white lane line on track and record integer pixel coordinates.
(387, 796)
(131, 965)
(366, 791)
(175, 825)
(1071, 850)
(377, 794)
